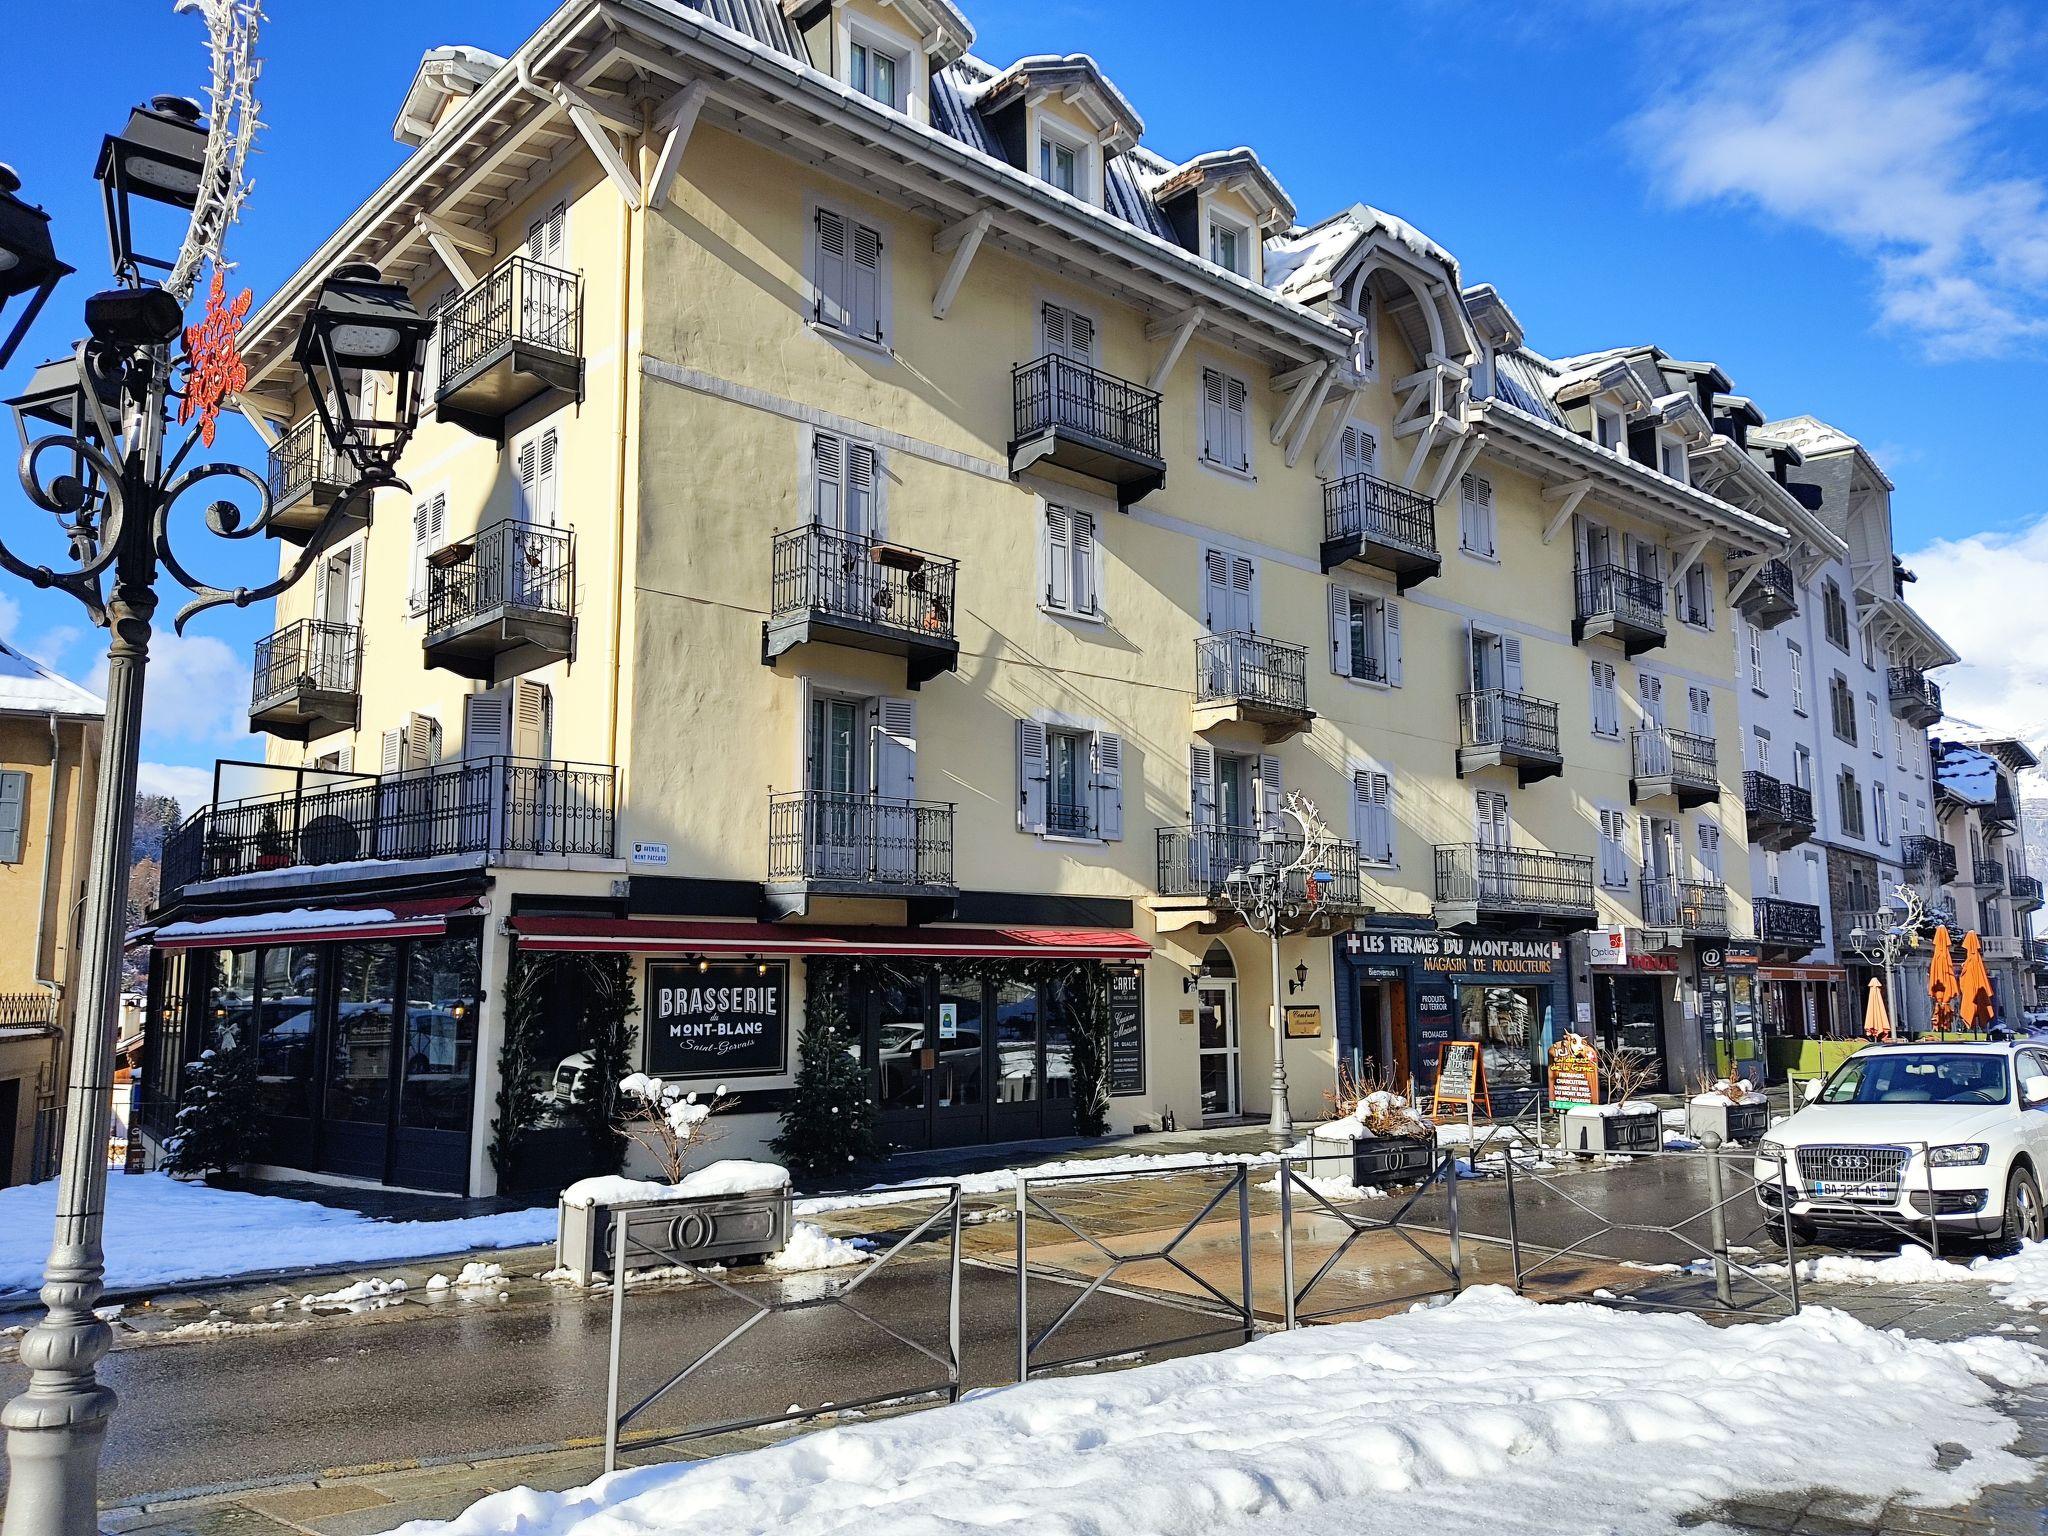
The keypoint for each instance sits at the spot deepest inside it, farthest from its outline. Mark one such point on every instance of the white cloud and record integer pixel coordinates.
(1873, 142)
(197, 691)
(1983, 593)
(191, 787)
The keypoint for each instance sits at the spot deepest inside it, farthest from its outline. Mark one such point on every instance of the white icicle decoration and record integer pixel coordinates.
(231, 28)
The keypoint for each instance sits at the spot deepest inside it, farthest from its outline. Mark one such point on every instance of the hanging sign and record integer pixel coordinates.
(1127, 1032)
(1574, 1073)
(719, 1020)
(1304, 1023)
(1460, 1078)
(1608, 946)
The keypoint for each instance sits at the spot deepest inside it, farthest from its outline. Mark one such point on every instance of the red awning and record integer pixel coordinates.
(385, 920)
(666, 936)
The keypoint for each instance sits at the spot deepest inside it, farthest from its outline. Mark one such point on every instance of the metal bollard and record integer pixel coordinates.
(621, 1224)
(1244, 1243)
(1451, 1218)
(1933, 1209)
(1717, 1218)
(1287, 1242)
(1514, 1230)
(1023, 1292)
(1785, 1220)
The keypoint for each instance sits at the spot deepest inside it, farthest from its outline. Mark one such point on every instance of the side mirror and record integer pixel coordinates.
(1812, 1089)
(2034, 1092)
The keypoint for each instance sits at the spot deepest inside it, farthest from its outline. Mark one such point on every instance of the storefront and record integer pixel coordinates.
(1729, 1015)
(1404, 993)
(1801, 1002)
(1629, 1012)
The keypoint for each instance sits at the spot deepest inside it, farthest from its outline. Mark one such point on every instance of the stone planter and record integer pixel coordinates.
(693, 1229)
(1742, 1124)
(1592, 1133)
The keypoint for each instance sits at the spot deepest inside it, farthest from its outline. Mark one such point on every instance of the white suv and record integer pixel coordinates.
(1899, 1127)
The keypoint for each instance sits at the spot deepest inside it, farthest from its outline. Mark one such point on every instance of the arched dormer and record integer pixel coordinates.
(1060, 119)
(887, 50)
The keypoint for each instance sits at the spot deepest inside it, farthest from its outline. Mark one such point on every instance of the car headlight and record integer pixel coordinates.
(1768, 1151)
(1962, 1154)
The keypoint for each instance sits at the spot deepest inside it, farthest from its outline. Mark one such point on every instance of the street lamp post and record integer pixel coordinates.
(95, 455)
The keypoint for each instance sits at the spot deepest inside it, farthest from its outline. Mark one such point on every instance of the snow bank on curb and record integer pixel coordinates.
(160, 1231)
(1489, 1414)
(2019, 1279)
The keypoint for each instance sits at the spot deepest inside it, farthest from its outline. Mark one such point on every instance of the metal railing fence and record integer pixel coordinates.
(1358, 1224)
(1055, 393)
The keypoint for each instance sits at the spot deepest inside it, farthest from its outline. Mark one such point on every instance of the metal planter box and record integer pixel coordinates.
(696, 1229)
(1589, 1133)
(1392, 1160)
(1742, 1124)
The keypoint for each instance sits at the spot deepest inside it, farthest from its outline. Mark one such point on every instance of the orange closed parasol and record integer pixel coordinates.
(1976, 999)
(1877, 1023)
(1942, 987)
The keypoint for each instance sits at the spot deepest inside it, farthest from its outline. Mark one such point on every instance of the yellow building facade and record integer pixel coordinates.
(874, 519)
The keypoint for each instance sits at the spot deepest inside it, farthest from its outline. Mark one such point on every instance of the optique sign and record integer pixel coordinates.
(718, 1021)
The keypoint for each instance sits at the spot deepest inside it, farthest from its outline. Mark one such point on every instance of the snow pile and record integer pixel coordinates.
(1624, 1107)
(1336, 1189)
(1727, 1091)
(729, 1176)
(1492, 1413)
(684, 1112)
(354, 1296)
(475, 1276)
(1003, 1181)
(811, 1247)
(2019, 1280)
(297, 920)
(160, 1231)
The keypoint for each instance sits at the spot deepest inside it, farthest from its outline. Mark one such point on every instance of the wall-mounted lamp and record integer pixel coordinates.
(1300, 978)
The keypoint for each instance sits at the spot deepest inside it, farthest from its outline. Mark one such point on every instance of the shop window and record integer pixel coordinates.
(1510, 1024)
(287, 984)
(439, 1041)
(1016, 1042)
(360, 1067)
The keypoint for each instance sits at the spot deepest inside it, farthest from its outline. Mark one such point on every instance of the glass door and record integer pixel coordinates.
(1216, 1048)
(960, 1074)
(437, 1061)
(356, 1098)
(835, 772)
(900, 1010)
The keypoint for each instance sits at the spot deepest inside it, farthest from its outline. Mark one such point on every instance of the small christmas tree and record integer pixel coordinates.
(215, 1128)
(828, 1130)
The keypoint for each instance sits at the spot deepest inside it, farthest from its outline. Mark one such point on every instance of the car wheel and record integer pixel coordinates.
(2023, 1214)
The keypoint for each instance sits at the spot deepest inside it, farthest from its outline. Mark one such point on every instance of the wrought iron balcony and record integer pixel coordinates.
(822, 843)
(306, 478)
(1988, 874)
(2037, 954)
(1374, 522)
(514, 337)
(1787, 929)
(1780, 815)
(1620, 604)
(1498, 729)
(2025, 890)
(1695, 907)
(1916, 698)
(1195, 862)
(498, 807)
(1478, 884)
(1243, 678)
(503, 602)
(1672, 765)
(1771, 597)
(1093, 423)
(845, 589)
(305, 681)
(1933, 858)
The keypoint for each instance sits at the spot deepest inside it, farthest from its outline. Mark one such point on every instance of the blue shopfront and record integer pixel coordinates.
(1405, 992)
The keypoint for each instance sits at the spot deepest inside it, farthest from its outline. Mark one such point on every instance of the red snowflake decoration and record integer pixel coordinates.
(213, 361)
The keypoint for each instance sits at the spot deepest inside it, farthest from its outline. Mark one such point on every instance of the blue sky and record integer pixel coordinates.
(1847, 207)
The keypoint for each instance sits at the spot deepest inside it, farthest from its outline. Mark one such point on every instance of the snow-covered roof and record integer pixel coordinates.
(1300, 264)
(1969, 775)
(1815, 439)
(27, 687)
(1080, 78)
(1225, 167)
(450, 70)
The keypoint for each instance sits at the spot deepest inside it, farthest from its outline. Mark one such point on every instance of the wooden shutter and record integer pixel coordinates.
(1214, 431)
(532, 718)
(13, 814)
(896, 748)
(1491, 813)
(422, 741)
(1700, 709)
(861, 479)
(1244, 593)
(1202, 786)
(1216, 590)
(393, 760)
(831, 273)
(1340, 630)
(1236, 422)
(828, 480)
(1068, 335)
(358, 557)
(1372, 809)
(1390, 618)
(484, 729)
(1475, 514)
(1511, 663)
(1059, 557)
(866, 276)
(1109, 786)
(545, 506)
(547, 238)
(1271, 796)
(1356, 451)
(1033, 772)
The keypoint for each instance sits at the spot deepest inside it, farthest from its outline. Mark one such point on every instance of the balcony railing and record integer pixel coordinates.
(853, 590)
(1514, 722)
(1772, 595)
(2037, 953)
(1931, 857)
(1094, 423)
(1792, 926)
(1377, 522)
(1613, 599)
(511, 588)
(1269, 676)
(1916, 698)
(2025, 890)
(310, 656)
(1693, 906)
(1988, 874)
(495, 806)
(1196, 861)
(2003, 946)
(1664, 761)
(858, 843)
(1515, 881)
(519, 303)
(303, 467)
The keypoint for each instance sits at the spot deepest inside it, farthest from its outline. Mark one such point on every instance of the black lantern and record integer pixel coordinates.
(56, 398)
(363, 347)
(160, 156)
(29, 268)
(1300, 978)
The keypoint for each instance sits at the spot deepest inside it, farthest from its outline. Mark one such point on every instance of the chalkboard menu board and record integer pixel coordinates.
(1126, 1032)
(1457, 1074)
(718, 1020)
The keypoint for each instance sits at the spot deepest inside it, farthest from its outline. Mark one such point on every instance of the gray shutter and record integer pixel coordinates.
(1340, 630)
(1109, 786)
(866, 276)
(1059, 557)
(1270, 793)
(394, 751)
(1390, 613)
(13, 814)
(896, 748)
(1511, 662)
(1202, 786)
(831, 269)
(1032, 774)
(483, 725)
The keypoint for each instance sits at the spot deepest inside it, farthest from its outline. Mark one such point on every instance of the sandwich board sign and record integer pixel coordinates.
(1460, 1078)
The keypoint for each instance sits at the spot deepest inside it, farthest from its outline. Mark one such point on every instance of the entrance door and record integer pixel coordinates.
(1216, 1048)
(959, 1079)
(901, 1014)
(834, 774)
(10, 1117)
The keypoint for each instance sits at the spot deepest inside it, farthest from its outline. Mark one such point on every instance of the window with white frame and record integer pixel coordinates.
(1226, 421)
(1869, 648)
(1695, 597)
(1671, 458)
(1230, 245)
(1071, 555)
(1876, 731)
(848, 281)
(1761, 748)
(1795, 659)
(1802, 768)
(1365, 636)
(1372, 814)
(1063, 161)
(1069, 781)
(1606, 699)
(429, 533)
(1773, 872)
(1849, 802)
(877, 72)
(1610, 428)
(1614, 865)
(1476, 525)
(1756, 660)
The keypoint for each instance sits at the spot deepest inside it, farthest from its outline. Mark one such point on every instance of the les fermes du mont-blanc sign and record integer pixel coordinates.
(716, 1020)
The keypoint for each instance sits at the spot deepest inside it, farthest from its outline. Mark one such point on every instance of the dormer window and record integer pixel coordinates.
(1610, 429)
(1230, 245)
(1060, 166)
(1672, 459)
(876, 72)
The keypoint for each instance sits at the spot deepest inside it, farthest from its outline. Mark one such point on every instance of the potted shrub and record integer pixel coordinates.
(1376, 1137)
(730, 1210)
(273, 848)
(1731, 1108)
(1624, 1123)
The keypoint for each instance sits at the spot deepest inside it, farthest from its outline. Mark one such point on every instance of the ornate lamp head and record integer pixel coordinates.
(159, 157)
(29, 268)
(363, 348)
